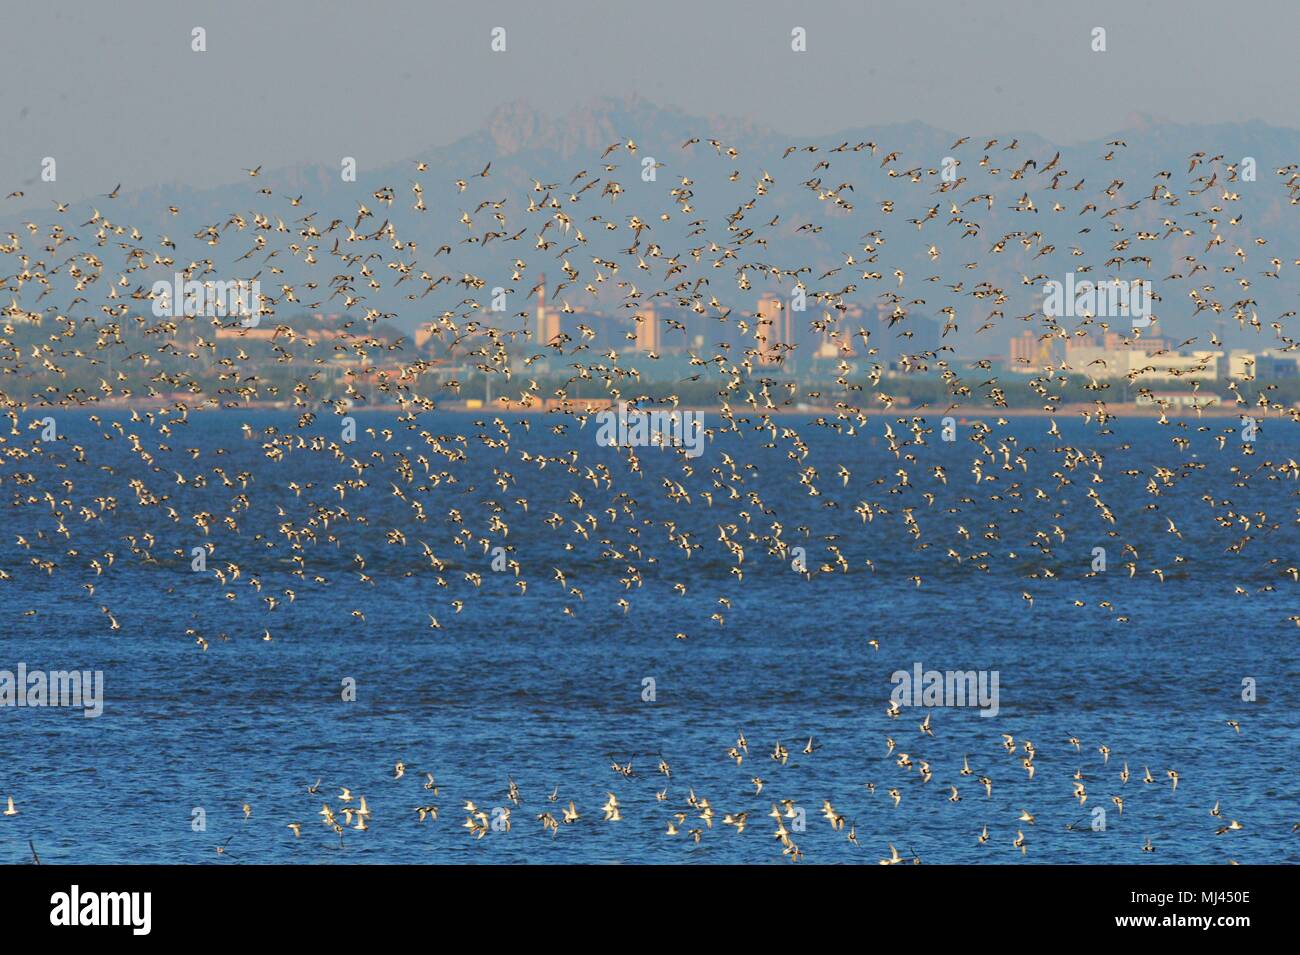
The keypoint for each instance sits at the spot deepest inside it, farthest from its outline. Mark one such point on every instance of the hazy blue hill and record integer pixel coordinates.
(525, 146)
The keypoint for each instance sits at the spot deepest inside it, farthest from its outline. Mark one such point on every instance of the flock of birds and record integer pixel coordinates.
(693, 816)
(86, 284)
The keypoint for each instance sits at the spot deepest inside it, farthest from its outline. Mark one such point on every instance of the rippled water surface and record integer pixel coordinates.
(513, 687)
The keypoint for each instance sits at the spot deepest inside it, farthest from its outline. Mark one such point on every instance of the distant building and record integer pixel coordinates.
(1276, 363)
(1267, 365)
(773, 330)
(1028, 353)
(546, 321)
(863, 329)
(1179, 399)
(321, 328)
(1113, 341)
(261, 333)
(425, 333)
(829, 348)
(647, 329)
(1139, 365)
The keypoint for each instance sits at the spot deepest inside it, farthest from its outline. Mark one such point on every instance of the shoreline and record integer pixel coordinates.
(464, 406)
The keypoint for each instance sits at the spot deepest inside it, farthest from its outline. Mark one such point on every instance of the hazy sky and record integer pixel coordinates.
(115, 94)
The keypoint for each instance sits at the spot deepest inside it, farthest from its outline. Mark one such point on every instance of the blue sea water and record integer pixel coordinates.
(514, 688)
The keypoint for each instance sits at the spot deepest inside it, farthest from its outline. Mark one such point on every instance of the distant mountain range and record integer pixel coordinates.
(526, 147)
